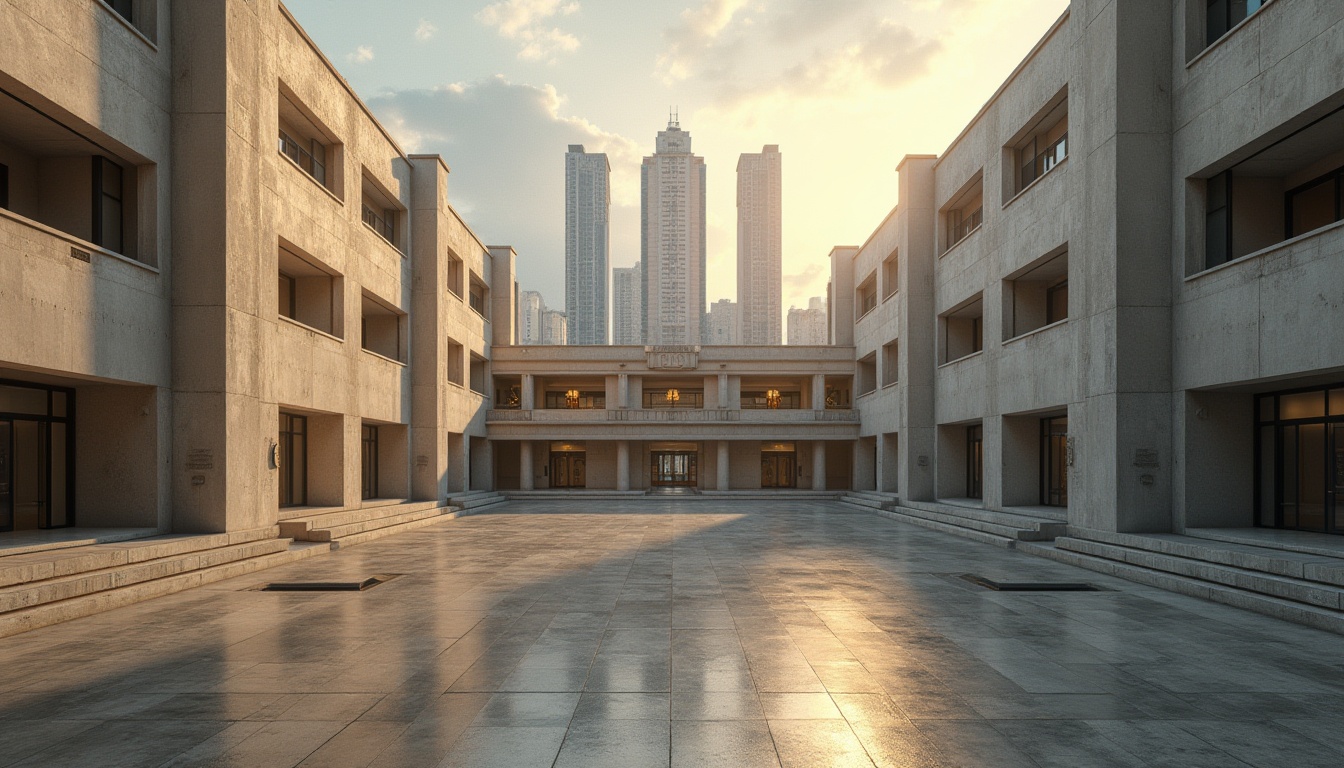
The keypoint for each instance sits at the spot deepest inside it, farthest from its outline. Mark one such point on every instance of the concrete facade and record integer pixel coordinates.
(808, 326)
(672, 239)
(1063, 262)
(554, 327)
(587, 245)
(760, 249)
(721, 324)
(627, 305)
(220, 285)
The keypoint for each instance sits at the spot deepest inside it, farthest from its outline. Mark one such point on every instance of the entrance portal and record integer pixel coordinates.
(673, 468)
(36, 447)
(1300, 460)
(569, 469)
(779, 465)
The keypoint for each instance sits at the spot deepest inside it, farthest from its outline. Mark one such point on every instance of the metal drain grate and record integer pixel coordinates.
(1030, 586)
(328, 586)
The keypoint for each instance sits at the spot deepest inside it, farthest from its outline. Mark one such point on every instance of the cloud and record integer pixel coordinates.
(425, 30)
(361, 55)
(742, 50)
(811, 281)
(526, 21)
(505, 143)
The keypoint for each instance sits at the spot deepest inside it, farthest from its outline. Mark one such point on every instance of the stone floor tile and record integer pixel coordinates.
(808, 743)
(718, 744)
(622, 706)
(527, 709)
(598, 743)
(799, 706)
(515, 747)
(716, 705)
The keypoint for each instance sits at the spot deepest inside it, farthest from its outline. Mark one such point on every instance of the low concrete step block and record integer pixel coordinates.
(997, 529)
(966, 533)
(339, 531)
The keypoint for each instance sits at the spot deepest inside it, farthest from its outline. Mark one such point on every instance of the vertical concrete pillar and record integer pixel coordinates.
(818, 392)
(623, 390)
(622, 465)
(525, 464)
(818, 465)
(529, 393)
(723, 392)
(721, 466)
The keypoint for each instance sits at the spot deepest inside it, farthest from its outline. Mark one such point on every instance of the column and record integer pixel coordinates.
(722, 464)
(623, 390)
(723, 391)
(529, 394)
(622, 463)
(525, 464)
(818, 392)
(818, 465)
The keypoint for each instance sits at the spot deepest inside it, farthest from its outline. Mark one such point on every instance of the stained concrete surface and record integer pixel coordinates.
(633, 633)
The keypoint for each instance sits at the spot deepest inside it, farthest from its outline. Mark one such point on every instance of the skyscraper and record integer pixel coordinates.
(721, 323)
(553, 324)
(672, 250)
(759, 246)
(587, 204)
(530, 307)
(627, 305)
(808, 326)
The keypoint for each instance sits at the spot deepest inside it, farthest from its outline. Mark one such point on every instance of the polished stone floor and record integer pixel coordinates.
(688, 633)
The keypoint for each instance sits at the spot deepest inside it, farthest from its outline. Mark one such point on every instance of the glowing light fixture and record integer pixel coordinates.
(572, 398)
(673, 396)
(772, 398)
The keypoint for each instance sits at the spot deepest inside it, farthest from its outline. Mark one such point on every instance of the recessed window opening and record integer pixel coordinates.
(866, 373)
(838, 396)
(964, 214)
(293, 454)
(773, 398)
(380, 212)
(963, 330)
(478, 381)
(369, 462)
(107, 208)
(1222, 15)
(891, 276)
(306, 293)
(476, 295)
(672, 396)
(1045, 145)
(453, 266)
(576, 397)
(382, 328)
(1037, 296)
(975, 462)
(309, 145)
(1288, 189)
(865, 296)
(1055, 461)
(1299, 459)
(891, 363)
(455, 363)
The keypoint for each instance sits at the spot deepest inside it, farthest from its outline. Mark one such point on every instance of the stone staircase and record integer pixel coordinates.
(471, 502)
(43, 587)
(1002, 529)
(1299, 582)
(870, 500)
(353, 526)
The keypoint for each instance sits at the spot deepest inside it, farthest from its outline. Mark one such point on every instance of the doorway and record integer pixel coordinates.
(36, 457)
(1299, 454)
(975, 462)
(368, 472)
(673, 468)
(1055, 461)
(293, 460)
(779, 466)
(569, 469)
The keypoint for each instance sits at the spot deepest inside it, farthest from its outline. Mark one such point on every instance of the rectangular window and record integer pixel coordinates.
(865, 297)
(369, 462)
(1055, 461)
(772, 399)
(577, 399)
(310, 155)
(975, 461)
(478, 376)
(453, 266)
(124, 8)
(306, 142)
(455, 363)
(963, 330)
(891, 363)
(866, 373)
(476, 296)
(4, 186)
(381, 328)
(1045, 146)
(1318, 203)
(293, 455)
(306, 293)
(891, 278)
(286, 293)
(1037, 295)
(965, 213)
(674, 397)
(1223, 15)
(1218, 220)
(380, 211)
(107, 207)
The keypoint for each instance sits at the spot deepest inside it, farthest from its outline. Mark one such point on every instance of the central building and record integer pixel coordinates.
(672, 243)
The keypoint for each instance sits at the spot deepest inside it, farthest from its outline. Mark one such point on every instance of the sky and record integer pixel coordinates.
(846, 88)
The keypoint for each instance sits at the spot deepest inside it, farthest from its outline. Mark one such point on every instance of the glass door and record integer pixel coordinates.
(975, 462)
(670, 468)
(779, 470)
(6, 475)
(1054, 461)
(1336, 489)
(569, 470)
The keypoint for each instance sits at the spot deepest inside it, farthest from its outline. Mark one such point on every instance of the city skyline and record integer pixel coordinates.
(587, 237)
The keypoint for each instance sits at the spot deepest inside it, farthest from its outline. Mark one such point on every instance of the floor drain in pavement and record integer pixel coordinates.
(1030, 586)
(328, 586)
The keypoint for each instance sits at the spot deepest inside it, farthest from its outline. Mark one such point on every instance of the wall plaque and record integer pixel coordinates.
(682, 358)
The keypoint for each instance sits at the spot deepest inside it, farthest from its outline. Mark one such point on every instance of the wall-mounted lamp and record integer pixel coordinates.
(772, 398)
(673, 396)
(572, 398)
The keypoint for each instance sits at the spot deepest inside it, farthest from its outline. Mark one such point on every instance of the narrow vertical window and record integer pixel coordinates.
(1218, 220)
(369, 463)
(1057, 302)
(107, 207)
(124, 8)
(4, 186)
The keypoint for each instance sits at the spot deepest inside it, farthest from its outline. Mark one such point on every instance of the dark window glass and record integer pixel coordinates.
(369, 463)
(977, 334)
(1054, 461)
(1316, 204)
(1223, 15)
(124, 8)
(1057, 302)
(107, 208)
(286, 293)
(293, 462)
(1218, 220)
(4, 186)
(975, 462)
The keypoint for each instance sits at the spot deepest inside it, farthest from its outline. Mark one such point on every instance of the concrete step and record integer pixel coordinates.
(867, 501)
(477, 499)
(997, 524)
(1047, 525)
(1006, 542)
(47, 613)
(447, 513)
(1323, 568)
(29, 594)
(1269, 605)
(1285, 587)
(296, 527)
(372, 524)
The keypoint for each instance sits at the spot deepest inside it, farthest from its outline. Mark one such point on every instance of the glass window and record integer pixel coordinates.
(1217, 220)
(1267, 485)
(1267, 408)
(23, 400)
(1057, 302)
(1315, 205)
(4, 186)
(107, 209)
(1303, 405)
(1337, 402)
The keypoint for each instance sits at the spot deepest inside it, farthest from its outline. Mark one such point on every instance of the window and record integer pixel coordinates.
(4, 186)
(379, 210)
(964, 214)
(891, 363)
(476, 295)
(478, 375)
(675, 397)
(963, 330)
(763, 398)
(975, 462)
(891, 276)
(866, 373)
(1222, 15)
(107, 208)
(369, 462)
(1036, 295)
(306, 293)
(308, 144)
(293, 450)
(124, 8)
(865, 297)
(453, 266)
(381, 330)
(455, 362)
(1044, 146)
(1055, 461)
(1287, 189)
(837, 393)
(586, 400)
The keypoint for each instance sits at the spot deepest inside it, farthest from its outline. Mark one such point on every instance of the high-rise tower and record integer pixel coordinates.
(759, 246)
(672, 250)
(587, 205)
(627, 306)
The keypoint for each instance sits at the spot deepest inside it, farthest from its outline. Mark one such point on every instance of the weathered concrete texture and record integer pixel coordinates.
(654, 634)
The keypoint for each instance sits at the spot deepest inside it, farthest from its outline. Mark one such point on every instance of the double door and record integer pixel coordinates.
(569, 469)
(34, 481)
(1311, 477)
(673, 468)
(779, 470)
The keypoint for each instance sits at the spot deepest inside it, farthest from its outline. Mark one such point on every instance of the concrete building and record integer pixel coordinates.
(721, 324)
(627, 305)
(809, 326)
(554, 327)
(760, 248)
(531, 306)
(672, 229)
(710, 418)
(587, 237)
(208, 245)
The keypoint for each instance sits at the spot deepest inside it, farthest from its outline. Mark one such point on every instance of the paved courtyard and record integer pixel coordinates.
(690, 633)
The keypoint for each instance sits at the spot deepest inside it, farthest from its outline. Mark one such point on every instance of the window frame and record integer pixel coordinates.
(101, 197)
